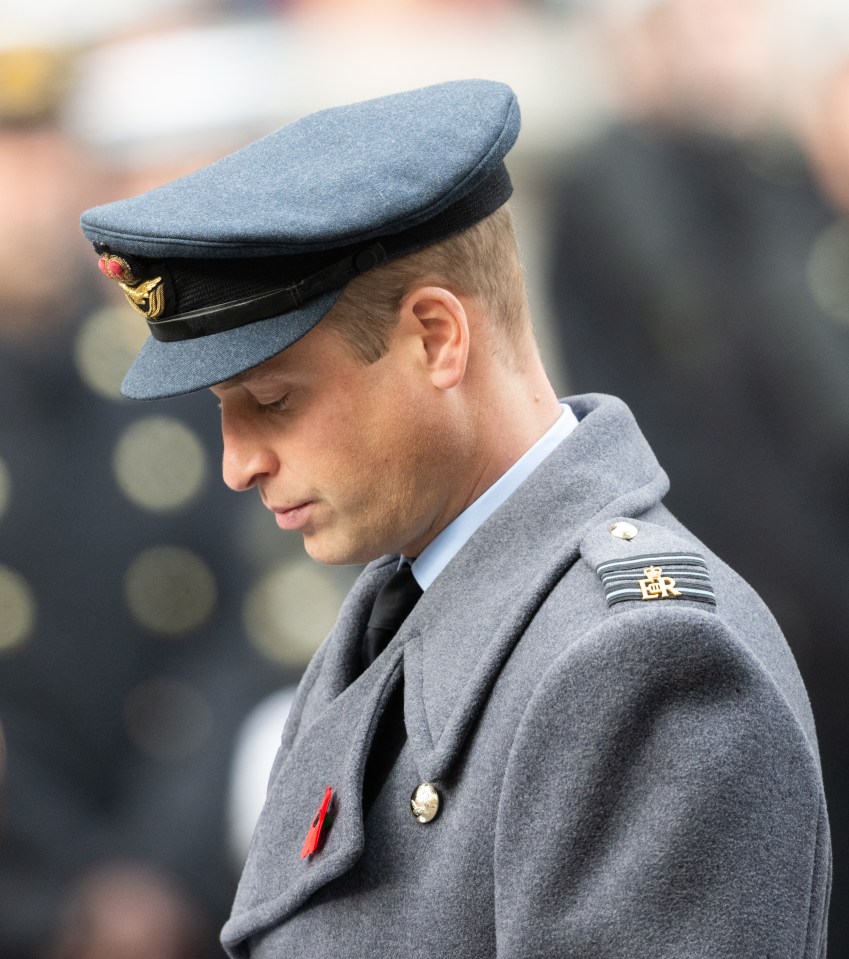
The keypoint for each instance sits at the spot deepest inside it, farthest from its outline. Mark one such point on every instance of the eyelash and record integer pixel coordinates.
(278, 406)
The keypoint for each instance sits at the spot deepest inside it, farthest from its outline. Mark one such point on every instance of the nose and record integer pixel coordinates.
(247, 456)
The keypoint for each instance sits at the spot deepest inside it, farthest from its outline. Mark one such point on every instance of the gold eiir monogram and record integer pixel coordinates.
(656, 585)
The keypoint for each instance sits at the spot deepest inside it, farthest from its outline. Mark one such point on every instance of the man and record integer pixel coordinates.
(588, 737)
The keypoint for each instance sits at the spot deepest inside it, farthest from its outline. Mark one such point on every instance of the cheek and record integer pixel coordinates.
(376, 463)
(372, 442)
(407, 473)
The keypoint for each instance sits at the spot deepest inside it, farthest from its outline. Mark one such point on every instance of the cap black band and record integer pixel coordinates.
(206, 320)
(229, 316)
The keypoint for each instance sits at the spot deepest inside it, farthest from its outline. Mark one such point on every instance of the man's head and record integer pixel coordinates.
(383, 423)
(351, 289)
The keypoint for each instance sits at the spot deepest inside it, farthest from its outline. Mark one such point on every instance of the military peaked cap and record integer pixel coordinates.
(235, 262)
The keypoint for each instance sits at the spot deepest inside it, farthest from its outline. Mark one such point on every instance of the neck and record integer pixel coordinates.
(512, 416)
(484, 425)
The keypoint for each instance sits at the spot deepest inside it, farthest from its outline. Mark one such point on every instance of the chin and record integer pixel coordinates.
(339, 554)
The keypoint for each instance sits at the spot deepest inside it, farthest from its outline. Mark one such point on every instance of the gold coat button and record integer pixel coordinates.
(425, 802)
(626, 531)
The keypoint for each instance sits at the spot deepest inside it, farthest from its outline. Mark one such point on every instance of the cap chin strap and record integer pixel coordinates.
(236, 313)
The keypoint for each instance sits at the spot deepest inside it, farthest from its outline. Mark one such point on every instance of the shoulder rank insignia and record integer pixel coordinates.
(656, 577)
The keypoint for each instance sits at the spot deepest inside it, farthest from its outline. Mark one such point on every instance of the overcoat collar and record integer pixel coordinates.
(450, 650)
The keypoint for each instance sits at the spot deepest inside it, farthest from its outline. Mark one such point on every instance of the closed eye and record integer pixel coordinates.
(276, 406)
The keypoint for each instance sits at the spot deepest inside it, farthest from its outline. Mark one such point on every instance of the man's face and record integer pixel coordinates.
(353, 456)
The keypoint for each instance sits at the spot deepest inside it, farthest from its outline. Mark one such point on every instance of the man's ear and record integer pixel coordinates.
(439, 320)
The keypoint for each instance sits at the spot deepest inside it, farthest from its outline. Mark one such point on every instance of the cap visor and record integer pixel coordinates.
(173, 369)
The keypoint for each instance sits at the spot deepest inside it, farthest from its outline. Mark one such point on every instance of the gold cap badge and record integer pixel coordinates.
(145, 296)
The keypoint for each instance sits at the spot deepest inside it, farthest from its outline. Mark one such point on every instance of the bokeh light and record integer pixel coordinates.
(828, 272)
(106, 345)
(5, 488)
(17, 609)
(160, 464)
(170, 590)
(291, 610)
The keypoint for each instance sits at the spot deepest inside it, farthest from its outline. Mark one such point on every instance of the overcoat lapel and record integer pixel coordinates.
(326, 744)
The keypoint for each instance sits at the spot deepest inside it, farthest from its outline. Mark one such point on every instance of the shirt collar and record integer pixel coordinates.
(439, 553)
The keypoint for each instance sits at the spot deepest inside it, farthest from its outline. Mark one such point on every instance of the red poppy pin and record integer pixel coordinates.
(311, 843)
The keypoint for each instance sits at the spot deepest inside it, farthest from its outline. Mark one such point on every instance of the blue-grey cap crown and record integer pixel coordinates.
(330, 180)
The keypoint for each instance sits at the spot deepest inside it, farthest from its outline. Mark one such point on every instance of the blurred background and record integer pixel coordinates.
(682, 193)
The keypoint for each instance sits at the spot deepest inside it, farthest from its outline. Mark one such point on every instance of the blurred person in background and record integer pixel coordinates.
(698, 269)
(125, 667)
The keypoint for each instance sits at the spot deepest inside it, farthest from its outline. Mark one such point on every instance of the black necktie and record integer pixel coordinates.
(393, 603)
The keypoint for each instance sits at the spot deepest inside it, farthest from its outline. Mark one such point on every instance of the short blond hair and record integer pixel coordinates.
(482, 261)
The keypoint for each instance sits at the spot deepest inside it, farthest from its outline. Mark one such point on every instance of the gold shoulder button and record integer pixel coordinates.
(626, 531)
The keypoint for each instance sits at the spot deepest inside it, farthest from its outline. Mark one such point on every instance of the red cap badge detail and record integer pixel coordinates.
(116, 268)
(314, 832)
(146, 296)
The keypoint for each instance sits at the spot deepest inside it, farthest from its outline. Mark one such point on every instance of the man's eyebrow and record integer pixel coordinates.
(254, 375)
(238, 378)
(242, 377)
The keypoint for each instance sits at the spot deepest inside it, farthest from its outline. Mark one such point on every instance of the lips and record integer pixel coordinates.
(293, 517)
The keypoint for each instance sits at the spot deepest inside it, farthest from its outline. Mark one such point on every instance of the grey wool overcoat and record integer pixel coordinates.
(618, 733)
